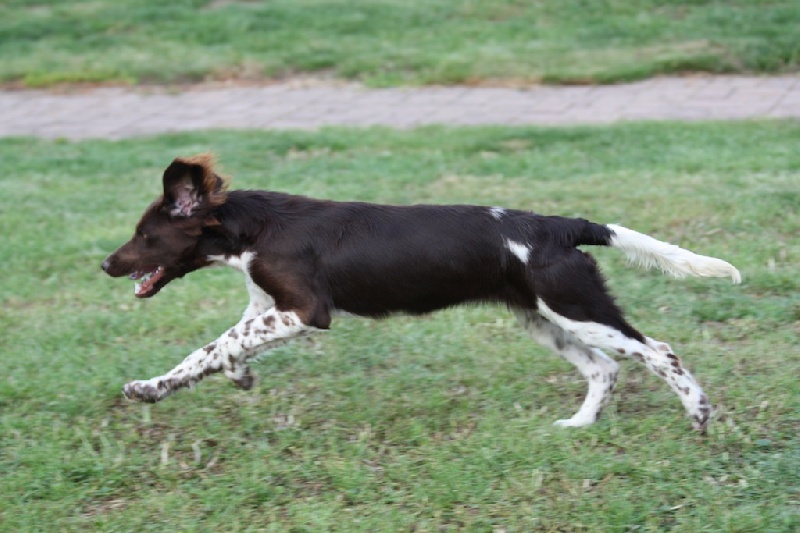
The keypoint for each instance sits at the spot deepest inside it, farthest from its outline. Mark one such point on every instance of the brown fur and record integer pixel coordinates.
(199, 171)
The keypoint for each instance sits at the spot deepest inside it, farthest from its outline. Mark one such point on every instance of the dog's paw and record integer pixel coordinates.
(245, 382)
(142, 391)
(574, 422)
(700, 421)
(701, 415)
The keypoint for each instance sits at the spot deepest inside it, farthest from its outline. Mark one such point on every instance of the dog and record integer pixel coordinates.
(306, 260)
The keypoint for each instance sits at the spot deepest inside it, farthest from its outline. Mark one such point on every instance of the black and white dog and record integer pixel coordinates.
(305, 259)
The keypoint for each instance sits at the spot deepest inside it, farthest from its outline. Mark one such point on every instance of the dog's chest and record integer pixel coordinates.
(259, 299)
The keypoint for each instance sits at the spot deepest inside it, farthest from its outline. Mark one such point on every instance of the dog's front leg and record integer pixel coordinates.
(229, 353)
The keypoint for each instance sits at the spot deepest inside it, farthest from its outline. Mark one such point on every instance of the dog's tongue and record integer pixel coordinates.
(148, 280)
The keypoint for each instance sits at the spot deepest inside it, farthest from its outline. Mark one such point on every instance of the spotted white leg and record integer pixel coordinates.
(656, 356)
(669, 367)
(260, 302)
(268, 330)
(599, 370)
(229, 353)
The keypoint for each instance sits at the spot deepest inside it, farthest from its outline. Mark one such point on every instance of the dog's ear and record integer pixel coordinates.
(191, 183)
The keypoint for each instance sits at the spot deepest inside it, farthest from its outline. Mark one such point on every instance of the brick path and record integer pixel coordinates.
(114, 113)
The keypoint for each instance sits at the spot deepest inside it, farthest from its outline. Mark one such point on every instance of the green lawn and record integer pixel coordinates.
(433, 424)
(390, 42)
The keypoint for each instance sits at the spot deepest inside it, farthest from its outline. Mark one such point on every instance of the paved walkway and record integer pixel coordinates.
(114, 113)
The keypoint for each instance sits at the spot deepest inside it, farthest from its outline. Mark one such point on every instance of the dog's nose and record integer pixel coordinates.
(105, 265)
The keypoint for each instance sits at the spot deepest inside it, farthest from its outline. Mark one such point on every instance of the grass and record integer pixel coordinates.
(434, 424)
(391, 42)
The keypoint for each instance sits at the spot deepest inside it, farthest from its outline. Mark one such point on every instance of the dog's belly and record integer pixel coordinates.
(373, 297)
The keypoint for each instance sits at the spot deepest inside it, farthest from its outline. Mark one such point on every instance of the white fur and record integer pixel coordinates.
(252, 336)
(522, 251)
(591, 333)
(497, 212)
(656, 356)
(648, 252)
(238, 262)
(230, 353)
(599, 370)
(260, 301)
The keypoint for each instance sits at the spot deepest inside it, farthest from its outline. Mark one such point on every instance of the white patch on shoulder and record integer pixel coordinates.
(239, 262)
(522, 251)
(497, 212)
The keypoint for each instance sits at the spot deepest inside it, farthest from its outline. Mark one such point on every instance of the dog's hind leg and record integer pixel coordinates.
(656, 356)
(599, 370)
(229, 353)
(669, 367)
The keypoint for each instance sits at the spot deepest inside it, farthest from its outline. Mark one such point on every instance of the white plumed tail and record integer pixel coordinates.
(648, 252)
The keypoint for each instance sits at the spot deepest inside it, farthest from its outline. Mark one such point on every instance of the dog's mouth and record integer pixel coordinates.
(149, 279)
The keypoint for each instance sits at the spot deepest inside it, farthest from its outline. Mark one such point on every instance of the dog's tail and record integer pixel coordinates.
(648, 252)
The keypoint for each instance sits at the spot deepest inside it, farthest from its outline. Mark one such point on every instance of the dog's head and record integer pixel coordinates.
(164, 245)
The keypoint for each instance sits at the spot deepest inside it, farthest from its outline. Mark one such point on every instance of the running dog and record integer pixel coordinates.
(304, 260)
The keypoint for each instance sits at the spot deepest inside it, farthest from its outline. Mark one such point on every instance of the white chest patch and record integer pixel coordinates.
(522, 251)
(260, 301)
